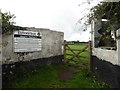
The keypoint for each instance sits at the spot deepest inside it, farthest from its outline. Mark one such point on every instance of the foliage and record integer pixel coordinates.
(111, 12)
(103, 10)
(8, 23)
(107, 10)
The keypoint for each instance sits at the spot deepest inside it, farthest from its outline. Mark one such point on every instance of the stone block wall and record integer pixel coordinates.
(18, 64)
(52, 45)
(106, 63)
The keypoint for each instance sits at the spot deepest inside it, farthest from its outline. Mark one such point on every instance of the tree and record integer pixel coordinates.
(84, 20)
(109, 11)
(8, 23)
(106, 10)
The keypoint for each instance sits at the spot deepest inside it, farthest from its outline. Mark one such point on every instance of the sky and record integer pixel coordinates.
(59, 15)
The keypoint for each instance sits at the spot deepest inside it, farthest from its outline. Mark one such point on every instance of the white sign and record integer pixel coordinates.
(27, 41)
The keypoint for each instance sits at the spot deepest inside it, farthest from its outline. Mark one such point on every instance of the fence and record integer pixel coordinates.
(76, 53)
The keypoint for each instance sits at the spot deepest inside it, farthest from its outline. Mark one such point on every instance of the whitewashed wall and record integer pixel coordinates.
(96, 25)
(52, 44)
(112, 56)
(118, 46)
(108, 55)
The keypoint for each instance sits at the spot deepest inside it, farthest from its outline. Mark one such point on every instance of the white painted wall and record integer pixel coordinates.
(118, 46)
(107, 55)
(52, 42)
(112, 56)
(96, 25)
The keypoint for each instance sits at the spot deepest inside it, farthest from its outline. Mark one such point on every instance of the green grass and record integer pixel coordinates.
(47, 77)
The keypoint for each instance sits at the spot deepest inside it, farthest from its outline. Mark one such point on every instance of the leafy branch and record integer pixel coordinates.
(7, 20)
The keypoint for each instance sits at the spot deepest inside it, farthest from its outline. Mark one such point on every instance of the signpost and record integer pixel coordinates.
(27, 41)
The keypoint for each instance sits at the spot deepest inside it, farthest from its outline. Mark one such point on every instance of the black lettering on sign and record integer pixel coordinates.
(26, 36)
(27, 33)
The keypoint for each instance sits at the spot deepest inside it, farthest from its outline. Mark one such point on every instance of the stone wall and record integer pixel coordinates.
(108, 55)
(106, 63)
(106, 71)
(112, 56)
(0, 61)
(19, 64)
(95, 27)
(52, 45)
(118, 46)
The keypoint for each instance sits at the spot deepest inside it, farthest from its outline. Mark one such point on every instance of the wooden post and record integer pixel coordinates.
(65, 50)
(90, 55)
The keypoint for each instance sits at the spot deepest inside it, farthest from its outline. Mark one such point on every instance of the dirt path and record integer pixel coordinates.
(65, 74)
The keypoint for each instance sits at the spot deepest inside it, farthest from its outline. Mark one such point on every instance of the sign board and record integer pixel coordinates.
(27, 41)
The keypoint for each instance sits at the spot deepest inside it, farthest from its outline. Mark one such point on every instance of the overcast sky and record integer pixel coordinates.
(60, 15)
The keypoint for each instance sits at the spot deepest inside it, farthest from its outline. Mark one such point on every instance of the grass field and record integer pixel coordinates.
(47, 77)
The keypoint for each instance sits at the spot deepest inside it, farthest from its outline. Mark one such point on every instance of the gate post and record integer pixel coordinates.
(90, 55)
(65, 50)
